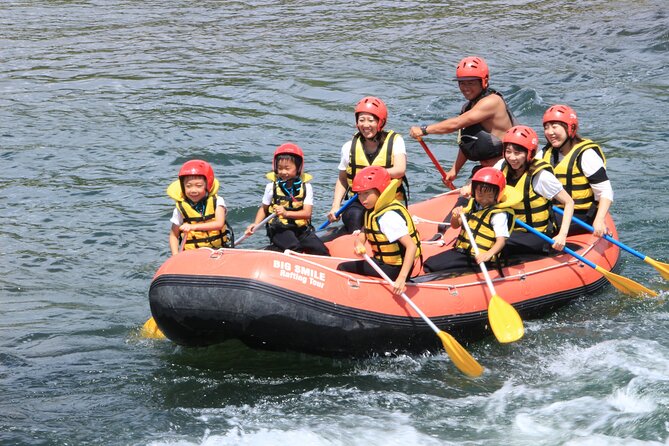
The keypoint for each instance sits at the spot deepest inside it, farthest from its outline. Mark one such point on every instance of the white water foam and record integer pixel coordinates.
(590, 395)
(393, 430)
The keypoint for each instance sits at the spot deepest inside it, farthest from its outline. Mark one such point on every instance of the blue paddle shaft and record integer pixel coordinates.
(343, 207)
(606, 236)
(522, 224)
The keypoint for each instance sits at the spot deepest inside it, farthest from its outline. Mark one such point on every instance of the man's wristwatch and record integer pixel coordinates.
(423, 128)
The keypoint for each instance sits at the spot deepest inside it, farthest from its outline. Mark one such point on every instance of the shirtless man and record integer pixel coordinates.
(482, 122)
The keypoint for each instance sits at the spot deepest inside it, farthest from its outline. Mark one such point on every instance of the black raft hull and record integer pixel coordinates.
(207, 310)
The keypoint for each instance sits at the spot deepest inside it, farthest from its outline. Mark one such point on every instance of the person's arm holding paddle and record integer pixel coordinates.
(407, 264)
(561, 237)
(263, 211)
(482, 121)
(395, 241)
(339, 192)
(452, 173)
(598, 223)
(174, 239)
(499, 222)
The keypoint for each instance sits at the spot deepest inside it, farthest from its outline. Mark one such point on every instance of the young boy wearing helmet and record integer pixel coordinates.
(290, 196)
(370, 146)
(388, 228)
(199, 215)
(533, 178)
(489, 215)
(481, 123)
(580, 165)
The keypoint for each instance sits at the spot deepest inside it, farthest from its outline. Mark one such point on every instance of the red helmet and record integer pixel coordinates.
(523, 136)
(373, 106)
(492, 176)
(564, 114)
(198, 167)
(289, 149)
(471, 68)
(371, 177)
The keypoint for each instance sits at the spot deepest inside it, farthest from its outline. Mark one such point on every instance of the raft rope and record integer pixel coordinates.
(450, 192)
(452, 289)
(519, 276)
(418, 219)
(332, 270)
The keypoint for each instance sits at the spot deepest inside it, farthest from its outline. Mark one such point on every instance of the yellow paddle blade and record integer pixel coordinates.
(460, 357)
(625, 285)
(504, 320)
(663, 268)
(150, 330)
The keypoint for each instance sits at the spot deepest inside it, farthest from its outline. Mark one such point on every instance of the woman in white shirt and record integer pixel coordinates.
(580, 165)
(370, 146)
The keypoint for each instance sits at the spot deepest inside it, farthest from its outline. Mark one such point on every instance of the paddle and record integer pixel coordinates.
(662, 268)
(343, 207)
(184, 237)
(625, 285)
(436, 163)
(460, 357)
(505, 321)
(150, 330)
(245, 236)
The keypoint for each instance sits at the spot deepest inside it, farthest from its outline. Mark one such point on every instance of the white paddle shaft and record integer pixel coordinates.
(265, 220)
(404, 296)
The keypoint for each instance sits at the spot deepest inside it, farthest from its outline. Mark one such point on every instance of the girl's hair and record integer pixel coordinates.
(381, 137)
(531, 167)
(515, 146)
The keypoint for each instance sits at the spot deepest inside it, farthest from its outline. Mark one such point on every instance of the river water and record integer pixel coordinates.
(102, 101)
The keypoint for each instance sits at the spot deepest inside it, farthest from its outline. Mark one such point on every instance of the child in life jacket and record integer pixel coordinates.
(490, 217)
(387, 227)
(290, 196)
(533, 178)
(198, 219)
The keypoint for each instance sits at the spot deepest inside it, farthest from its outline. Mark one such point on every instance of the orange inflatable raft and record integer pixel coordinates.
(290, 301)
